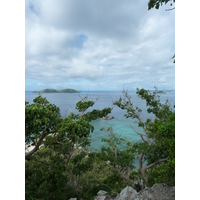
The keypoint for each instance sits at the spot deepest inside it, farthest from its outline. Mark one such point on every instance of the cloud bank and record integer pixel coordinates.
(98, 45)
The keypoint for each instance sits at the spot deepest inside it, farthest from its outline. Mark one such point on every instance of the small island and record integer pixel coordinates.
(67, 90)
(161, 92)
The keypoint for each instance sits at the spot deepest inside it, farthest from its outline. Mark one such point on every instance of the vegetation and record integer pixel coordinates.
(57, 91)
(157, 3)
(59, 159)
(60, 166)
(156, 150)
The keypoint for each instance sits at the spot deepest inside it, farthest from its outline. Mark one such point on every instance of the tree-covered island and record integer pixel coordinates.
(66, 90)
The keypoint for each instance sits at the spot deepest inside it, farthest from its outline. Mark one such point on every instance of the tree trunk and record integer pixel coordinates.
(36, 148)
(142, 169)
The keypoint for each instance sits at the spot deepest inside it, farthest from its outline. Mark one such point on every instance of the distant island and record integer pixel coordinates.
(161, 92)
(57, 91)
(164, 91)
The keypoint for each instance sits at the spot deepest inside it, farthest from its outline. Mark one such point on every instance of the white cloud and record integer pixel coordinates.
(124, 44)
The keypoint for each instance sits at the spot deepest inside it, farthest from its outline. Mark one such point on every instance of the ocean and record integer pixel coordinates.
(120, 125)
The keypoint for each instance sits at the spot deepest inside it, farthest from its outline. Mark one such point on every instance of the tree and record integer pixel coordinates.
(58, 160)
(119, 153)
(156, 150)
(158, 3)
(41, 119)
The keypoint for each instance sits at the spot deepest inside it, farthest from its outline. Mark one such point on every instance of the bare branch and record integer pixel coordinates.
(141, 135)
(39, 142)
(114, 150)
(140, 157)
(155, 163)
(126, 179)
(137, 116)
(67, 110)
(70, 154)
(152, 141)
(36, 148)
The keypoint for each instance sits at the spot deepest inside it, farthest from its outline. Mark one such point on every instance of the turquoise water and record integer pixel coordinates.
(120, 125)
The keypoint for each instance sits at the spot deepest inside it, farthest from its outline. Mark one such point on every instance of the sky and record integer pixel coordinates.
(95, 45)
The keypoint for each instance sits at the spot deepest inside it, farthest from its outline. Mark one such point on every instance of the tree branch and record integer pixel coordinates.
(39, 142)
(126, 179)
(114, 149)
(155, 163)
(140, 157)
(136, 116)
(141, 135)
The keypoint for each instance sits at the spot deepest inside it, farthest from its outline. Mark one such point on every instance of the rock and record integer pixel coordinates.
(157, 191)
(102, 196)
(102, 193)
(108, 117)
(127, 193)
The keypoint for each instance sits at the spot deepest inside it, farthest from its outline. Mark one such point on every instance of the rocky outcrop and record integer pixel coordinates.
(157, 191)
(101, 195)
(127, 193)
(108, 117)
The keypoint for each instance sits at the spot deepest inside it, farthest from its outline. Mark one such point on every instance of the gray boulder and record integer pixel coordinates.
(127, 193)
(158, 191)
(101, 195)
(103, 198)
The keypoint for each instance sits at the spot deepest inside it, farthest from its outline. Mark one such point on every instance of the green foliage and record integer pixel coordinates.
(82, 106)
(133, 174)
(95, 114)
(158, 139)
(57, 169)
(117, 150)
(39, 117)
(158, 3)
(101, 176)
(45, 176)
(78, 131)
(165, 172)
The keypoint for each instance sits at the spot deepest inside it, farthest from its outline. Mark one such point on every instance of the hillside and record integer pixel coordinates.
(49, 90)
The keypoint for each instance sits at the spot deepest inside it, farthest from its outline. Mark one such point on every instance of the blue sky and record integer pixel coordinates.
(98, 45)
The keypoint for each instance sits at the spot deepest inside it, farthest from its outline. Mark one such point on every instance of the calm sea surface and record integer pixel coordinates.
(67, 102)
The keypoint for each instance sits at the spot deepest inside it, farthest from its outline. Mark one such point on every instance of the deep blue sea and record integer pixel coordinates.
(120, 125)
